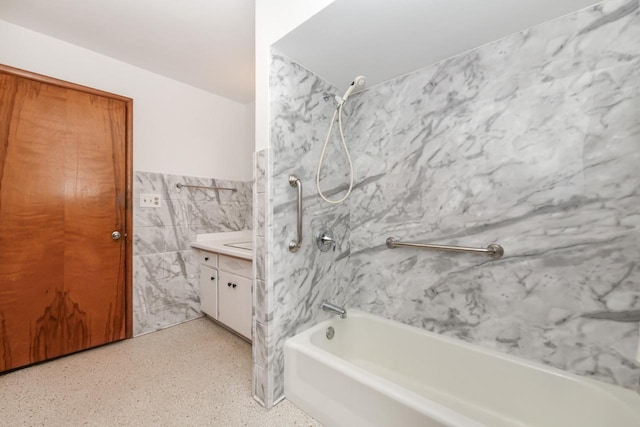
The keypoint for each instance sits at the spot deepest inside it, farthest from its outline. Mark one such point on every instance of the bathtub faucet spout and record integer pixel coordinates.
(332, 308)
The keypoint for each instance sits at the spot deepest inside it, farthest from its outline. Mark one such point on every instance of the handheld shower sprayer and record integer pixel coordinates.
(357, 84)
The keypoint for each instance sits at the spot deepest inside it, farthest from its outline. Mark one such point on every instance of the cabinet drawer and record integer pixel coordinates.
(236, 265)
(209, 258)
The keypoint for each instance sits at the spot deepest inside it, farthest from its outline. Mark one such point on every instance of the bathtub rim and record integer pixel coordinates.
(418, 403)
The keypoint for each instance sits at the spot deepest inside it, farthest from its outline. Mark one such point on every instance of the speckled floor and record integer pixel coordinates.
(194, 374)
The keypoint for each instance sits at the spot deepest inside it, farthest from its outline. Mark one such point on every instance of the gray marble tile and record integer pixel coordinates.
(546, 170)
(149, 295)
(180, 238)
(180, 291)
(181, 312)
(150, 183)
(170, 212)
(149, 267)
(260, 214)
(148, 308)
(260, 344)
(260, 254)
(149, 320)
(220, 217)
(300, 282)
(261, 170)
(211, 214)
(259, 385)
(531, 141)
(159, 183)
(261, 303)
(148, 240)
(165, 268)
(184, 264)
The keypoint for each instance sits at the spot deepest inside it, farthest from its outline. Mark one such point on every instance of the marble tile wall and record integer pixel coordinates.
(298, 283)
(261, 304)
(165, 268)
(532, 141)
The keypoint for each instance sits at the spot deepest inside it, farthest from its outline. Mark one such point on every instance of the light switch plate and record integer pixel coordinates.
(150, 200)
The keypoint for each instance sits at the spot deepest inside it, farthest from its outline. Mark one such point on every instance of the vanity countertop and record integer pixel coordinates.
(235, 243)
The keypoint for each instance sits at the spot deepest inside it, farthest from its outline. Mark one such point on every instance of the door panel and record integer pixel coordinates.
(62, 192)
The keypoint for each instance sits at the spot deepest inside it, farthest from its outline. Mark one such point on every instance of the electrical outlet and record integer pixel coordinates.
(150, 200)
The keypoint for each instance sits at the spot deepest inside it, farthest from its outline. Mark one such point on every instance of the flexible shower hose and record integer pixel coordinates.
(338, 113)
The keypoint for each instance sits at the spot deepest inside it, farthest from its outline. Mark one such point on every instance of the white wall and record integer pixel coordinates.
(274, 19)
(177, 128)
(250, 129)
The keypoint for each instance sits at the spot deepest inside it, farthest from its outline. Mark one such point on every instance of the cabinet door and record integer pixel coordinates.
(235, 303)
(209, 291)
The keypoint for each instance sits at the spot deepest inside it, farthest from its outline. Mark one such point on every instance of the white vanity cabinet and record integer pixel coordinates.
(225, 290)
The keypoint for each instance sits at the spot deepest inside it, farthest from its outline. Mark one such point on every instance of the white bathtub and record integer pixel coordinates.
(376, 372)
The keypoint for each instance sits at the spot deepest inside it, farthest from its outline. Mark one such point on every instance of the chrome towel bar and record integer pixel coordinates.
(294, 245)
(494, 250)
(180, 186)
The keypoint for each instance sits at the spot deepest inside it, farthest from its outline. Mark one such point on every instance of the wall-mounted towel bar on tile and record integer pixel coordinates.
(494, 250)
(294, 245)
(180, 186)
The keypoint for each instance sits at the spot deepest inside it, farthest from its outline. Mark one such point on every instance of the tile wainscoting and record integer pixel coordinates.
(165, 268)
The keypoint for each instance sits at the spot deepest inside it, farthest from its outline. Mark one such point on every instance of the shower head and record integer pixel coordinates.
(357, 84)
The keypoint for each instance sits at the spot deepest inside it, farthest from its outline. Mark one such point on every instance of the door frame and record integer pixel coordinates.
(128, 228)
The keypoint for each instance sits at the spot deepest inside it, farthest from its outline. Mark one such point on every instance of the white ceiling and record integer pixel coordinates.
(382, 39)
(208, 44)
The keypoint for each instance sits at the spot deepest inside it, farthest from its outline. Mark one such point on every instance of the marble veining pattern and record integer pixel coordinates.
(165, 267)
(260, 321)
(298, 283)
(532, 142)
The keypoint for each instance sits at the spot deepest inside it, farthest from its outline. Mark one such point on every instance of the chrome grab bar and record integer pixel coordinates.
(180, 186)
(294, 245)
(494, 250)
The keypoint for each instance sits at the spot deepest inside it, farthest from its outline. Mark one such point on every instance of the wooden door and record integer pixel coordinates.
(64, 185)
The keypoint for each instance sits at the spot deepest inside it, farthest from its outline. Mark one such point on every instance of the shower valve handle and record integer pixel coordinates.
(325, 240)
